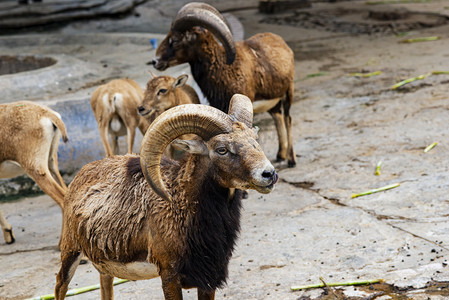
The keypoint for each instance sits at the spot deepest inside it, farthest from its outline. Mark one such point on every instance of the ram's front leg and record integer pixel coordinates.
(171, 284)
(205, 295)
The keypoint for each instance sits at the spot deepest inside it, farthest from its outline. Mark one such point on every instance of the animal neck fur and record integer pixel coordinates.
(212, 226)
(205, 65)
(205, 215)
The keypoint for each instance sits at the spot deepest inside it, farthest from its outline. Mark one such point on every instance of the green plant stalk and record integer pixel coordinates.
(78, 290)
(403, 82)
(366, 75)
(440, 72)
(377, 172)
(312, 75)
(421, 39)
(381, 189)
(430, 147)
(319, 285)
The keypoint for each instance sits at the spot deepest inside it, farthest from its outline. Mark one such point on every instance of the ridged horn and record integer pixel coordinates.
(241, 108)
(204, 15)
(199, 119)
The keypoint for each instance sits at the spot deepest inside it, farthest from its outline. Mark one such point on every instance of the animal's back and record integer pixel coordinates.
(102, 196)
(33, 121)
(273, 76)
(125, 89)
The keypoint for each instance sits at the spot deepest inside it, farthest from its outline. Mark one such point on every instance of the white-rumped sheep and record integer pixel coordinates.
(115, 107)
(29, 138)
(139, 218)
(260, 67)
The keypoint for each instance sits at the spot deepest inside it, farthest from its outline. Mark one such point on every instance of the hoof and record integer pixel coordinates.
(9, 236)
(291, 164)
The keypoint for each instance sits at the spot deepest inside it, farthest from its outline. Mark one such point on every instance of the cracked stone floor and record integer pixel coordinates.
(309, 226)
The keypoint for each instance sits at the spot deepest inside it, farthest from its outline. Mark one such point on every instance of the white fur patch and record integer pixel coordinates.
(260, 106)
(10, 169)
(118, 101)
(139, 270)
(115, 124)
(47, 127)
(108, 107)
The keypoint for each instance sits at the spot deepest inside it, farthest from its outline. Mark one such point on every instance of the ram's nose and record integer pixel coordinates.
(160, 65)
(270, 175)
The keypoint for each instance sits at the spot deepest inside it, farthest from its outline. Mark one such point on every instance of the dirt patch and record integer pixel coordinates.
(15, 64)
(360, 21)
(378, 290)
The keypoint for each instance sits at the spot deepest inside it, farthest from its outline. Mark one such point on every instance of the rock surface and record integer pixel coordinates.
(343, 125)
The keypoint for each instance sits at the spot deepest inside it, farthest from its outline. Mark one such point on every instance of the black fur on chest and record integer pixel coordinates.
(217, 93)
(211, 239)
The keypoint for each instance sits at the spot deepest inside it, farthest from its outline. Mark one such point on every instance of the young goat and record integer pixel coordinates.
(163, 93)
(29, 139)
(139, 218)
(115, 107)
(260, 67)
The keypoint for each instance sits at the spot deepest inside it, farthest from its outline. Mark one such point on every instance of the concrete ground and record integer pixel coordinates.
(343, 125)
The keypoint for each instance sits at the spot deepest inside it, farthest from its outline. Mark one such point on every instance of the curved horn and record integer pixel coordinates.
(241, 108)
(230, 20)
(202, 120)
(204, 15)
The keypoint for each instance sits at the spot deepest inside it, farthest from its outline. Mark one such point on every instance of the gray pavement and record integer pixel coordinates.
(309, 226)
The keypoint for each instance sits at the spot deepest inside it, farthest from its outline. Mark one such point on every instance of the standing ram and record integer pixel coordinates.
(261, 67)
(115, 108)
(29, 138)
(140, 218)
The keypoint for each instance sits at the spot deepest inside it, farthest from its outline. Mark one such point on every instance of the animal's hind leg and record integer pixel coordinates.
(43, 178)
(115, 148)
(131, 134)
(69, 262)
(53, 163)
(291, 157)
(45, 181)
(107, 287)
(104, 133)
(279, 122)
(7, 230)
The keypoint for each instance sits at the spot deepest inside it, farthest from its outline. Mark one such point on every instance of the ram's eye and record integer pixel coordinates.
(162, 91)
(222, 150)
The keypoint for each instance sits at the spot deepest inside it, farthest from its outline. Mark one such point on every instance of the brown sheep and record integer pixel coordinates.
(139, 218)
(29, 139)
(260, 67)
(115, 108)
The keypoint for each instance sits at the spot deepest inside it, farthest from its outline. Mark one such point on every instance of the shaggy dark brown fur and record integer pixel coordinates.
(114, 217)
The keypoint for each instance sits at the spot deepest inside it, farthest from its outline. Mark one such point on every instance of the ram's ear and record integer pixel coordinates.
(191, 146)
